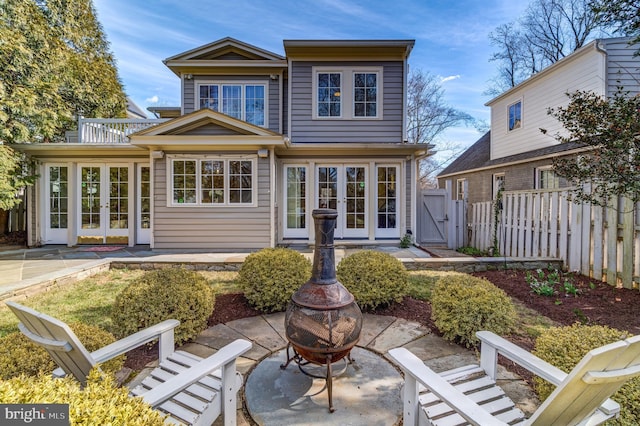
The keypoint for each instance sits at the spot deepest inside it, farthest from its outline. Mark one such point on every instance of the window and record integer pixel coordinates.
(242, 101)
(546, 178)
(365, 94)
(58, 197)
(460, 189)
(515, 115)
(347, 92)
(329, 94)
(498, 184)
(213, 182)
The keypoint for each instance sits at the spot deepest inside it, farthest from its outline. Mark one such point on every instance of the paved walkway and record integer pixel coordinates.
(24, 271)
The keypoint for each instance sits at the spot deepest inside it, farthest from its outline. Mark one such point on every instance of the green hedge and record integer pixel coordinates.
(462, 305)
(374, 278)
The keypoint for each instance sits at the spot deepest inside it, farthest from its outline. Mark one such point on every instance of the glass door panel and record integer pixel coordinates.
(143, 233)
(387, 199)
(104, 204)
(295, 202)
(57, 209)
(344, 188)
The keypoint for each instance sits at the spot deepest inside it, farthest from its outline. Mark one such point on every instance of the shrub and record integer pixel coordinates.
(564, 347)
(99, 403)
(270, 276)
(463, 304)
(173, 293)
(374, 278)
(18, 355)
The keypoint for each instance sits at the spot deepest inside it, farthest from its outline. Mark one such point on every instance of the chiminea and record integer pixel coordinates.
(323, 321)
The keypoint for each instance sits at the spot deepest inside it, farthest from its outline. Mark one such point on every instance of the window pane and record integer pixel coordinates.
(365, 94)
(329, 95)
(254, 105)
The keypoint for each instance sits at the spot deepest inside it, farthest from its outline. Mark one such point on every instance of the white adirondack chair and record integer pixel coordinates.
(469, 395)
(192, 390)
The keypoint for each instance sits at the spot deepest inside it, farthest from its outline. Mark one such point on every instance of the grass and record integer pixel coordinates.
(90, 300)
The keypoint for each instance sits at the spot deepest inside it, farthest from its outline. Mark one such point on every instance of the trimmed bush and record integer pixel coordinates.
(99, 403)
(270, 276)
(173, 293)
(463, 304)
(18, 355)
(374, 278)
(564, 347)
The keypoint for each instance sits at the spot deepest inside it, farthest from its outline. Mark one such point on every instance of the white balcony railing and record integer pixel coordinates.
(110, 130)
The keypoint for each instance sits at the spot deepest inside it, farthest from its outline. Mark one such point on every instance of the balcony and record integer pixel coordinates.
(109, 130)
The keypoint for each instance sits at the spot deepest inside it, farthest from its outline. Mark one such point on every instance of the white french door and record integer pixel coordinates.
(57, 205)
(103, 214)
(387, 205)
(295, 202)
(143, 208)
(344, 188)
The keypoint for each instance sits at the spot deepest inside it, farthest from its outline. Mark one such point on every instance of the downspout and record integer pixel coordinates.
(152, 201)
(405, 91)
(414, 195)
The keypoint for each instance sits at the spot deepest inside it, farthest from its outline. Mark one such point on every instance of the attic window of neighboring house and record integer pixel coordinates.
(515, 115)
(244, 101)
(350, 93)
(213, 182)
(546, 178)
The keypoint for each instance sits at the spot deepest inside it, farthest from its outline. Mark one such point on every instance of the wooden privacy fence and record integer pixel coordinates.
(600, 242)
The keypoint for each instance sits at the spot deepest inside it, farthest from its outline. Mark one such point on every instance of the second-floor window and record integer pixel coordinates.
(347, 93)
(242, 101)
(515, 115)
(329, 94)
(365, 94)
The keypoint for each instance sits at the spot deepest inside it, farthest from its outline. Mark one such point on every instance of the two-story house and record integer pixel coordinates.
(258, 142)
(516, 154)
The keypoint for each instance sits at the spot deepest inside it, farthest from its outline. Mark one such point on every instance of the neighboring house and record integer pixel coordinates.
(515, 154)
(133, 110)
(259, 141)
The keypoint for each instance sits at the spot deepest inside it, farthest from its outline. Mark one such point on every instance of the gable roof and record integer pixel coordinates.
(203, 117)
(226, 52)
(478, 156)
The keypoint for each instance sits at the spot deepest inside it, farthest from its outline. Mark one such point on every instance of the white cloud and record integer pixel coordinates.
(152, 100)
(449, 78)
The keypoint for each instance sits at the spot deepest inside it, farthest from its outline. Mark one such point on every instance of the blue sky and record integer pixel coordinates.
(451, 38)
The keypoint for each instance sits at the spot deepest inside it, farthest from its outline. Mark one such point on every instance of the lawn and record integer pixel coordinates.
(90, 300)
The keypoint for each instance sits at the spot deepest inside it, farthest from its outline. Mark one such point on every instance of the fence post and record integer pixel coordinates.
(627, 243)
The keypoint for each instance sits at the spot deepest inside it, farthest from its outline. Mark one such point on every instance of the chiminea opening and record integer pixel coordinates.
(323, 321)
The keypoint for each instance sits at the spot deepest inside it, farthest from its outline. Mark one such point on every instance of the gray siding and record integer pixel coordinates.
(623, 67)
(190, 99)
(307, 130)
(216, 228)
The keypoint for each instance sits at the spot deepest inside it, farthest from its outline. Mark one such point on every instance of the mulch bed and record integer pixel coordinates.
(597, 303)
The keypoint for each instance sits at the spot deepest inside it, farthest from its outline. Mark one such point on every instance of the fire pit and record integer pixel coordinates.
(323, 321)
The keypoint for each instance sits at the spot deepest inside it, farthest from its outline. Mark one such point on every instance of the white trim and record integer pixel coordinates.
(198, 160)
(387, 232)
(295, 233)
(513, 104)
(347, 89)
(143, 235)
(494, 188)
(272, 197)
(460, 193)
(243, 84)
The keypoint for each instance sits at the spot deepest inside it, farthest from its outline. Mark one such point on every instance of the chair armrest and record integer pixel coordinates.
(162, 331)
(457, 400)
(176, 384)
(135, 340)
(493, 342)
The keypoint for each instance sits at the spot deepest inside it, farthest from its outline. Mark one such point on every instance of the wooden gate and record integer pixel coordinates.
(433, 218)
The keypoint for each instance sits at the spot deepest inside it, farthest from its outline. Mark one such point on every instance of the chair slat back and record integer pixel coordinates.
(56, 338)
(575, 399)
